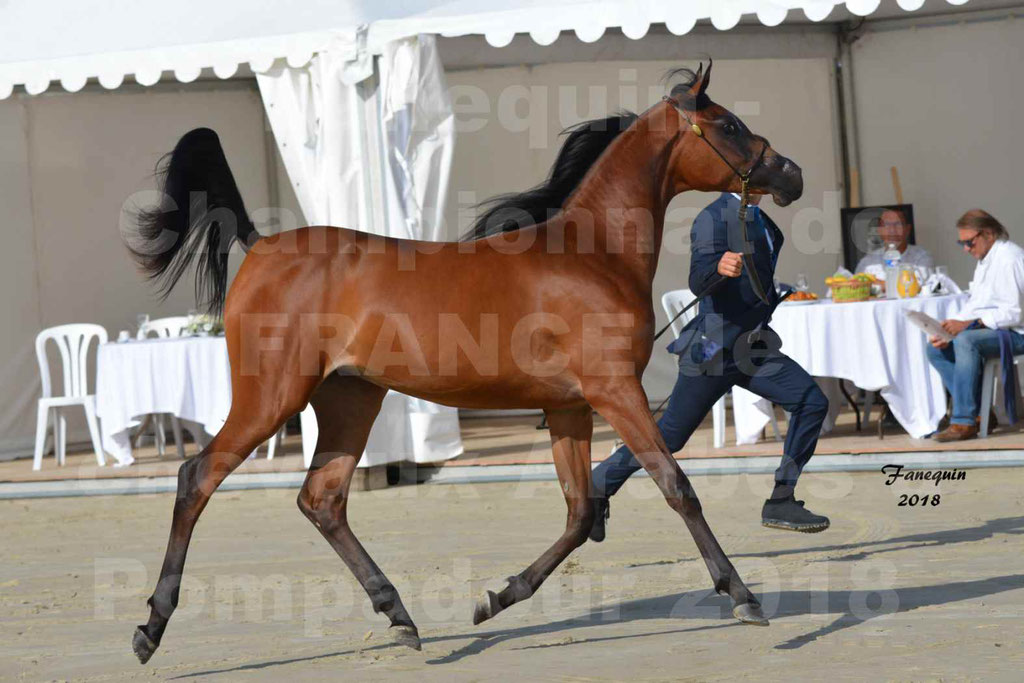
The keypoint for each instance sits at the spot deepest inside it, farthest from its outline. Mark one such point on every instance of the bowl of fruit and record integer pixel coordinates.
(851, 289)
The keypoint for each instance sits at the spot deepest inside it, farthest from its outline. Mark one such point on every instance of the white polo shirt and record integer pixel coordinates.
(997, 290)
(873, 263)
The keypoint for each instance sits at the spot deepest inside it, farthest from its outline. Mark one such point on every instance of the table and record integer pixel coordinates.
(190, 377)
(870, 343)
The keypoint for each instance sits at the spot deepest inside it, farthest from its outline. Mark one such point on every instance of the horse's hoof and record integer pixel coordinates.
(406, 635)
(142, 645)
(486, 608)
(750, 613)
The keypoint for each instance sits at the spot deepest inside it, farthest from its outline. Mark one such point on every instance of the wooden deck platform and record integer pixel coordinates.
(491, 441)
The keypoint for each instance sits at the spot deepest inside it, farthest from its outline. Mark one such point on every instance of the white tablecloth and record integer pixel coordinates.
(190, 377)
(873, 345)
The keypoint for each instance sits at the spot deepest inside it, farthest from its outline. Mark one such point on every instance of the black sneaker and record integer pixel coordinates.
(790, 514)
(602, 511)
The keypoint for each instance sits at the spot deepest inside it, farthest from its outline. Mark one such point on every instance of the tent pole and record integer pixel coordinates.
(273, 186)
(847, 113)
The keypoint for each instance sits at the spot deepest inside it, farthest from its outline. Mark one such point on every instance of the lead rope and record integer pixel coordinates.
(686, 348)
(744, 198)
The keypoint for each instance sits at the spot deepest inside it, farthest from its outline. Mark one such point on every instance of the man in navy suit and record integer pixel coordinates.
(729, 344)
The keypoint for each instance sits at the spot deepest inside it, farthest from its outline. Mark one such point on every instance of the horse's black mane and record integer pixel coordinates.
(584, 144)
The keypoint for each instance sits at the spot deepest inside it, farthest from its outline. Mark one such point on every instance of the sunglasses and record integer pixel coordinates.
(969, 244)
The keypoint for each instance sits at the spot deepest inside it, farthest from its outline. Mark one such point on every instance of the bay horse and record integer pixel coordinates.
(518, 316)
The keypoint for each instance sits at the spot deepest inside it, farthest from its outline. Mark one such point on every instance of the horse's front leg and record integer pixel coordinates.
(571, 431)
(625, 407)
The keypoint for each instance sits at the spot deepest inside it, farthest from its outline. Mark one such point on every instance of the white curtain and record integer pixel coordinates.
(367, 144)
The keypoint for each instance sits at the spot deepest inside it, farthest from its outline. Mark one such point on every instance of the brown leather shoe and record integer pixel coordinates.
(957, 432)
(993, 421)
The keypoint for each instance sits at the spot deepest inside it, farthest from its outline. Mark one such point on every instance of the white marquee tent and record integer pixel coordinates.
(143, 38)
(314, 62)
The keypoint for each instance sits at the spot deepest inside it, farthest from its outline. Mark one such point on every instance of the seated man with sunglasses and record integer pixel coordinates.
(992, 320)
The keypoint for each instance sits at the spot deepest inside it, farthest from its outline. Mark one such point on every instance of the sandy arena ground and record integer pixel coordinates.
(888, 592)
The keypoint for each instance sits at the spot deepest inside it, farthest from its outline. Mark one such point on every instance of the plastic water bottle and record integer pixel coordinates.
(891, 258)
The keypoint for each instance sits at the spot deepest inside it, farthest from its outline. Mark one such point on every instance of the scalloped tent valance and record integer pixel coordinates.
(42, 43)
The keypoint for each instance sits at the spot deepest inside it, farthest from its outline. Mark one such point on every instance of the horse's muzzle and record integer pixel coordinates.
(779, 177)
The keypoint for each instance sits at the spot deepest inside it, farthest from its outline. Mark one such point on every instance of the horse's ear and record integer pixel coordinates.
(696, 94)
(706, 81)
(696, 89)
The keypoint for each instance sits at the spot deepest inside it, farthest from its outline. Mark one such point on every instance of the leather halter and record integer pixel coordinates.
(743, 176)
(738, 234)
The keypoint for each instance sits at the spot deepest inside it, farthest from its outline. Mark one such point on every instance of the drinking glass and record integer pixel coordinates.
(141, 320)
(941, 273)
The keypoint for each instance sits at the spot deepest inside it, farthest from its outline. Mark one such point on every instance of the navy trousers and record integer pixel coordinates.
(777, 378)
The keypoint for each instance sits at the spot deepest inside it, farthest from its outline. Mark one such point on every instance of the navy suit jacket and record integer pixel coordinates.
(733, 308)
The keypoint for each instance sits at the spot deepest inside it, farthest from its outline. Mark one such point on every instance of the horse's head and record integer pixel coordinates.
(718, 150)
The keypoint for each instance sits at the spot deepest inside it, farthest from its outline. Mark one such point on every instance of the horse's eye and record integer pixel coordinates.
(730, 128)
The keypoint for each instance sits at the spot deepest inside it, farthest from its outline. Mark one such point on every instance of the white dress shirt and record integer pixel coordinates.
(873, 263)
(997, 290)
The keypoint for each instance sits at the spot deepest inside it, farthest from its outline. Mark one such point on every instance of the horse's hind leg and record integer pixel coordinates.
(345, 410)
(246, 428)
(571, 432)
(626, 409)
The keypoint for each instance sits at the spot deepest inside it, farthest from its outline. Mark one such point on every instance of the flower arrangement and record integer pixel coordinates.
(203, 325)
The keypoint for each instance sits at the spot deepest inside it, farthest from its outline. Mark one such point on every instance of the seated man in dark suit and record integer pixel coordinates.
(729, 344)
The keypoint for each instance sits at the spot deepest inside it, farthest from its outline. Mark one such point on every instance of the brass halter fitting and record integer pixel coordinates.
(744, 198)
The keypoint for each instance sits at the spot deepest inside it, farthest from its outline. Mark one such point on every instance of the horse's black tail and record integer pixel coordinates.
(200, 216)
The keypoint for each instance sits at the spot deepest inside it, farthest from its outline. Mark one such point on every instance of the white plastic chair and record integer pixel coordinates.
(988, 386)
(673, 302)
(172, 326)
(164, 328)
(73, 342)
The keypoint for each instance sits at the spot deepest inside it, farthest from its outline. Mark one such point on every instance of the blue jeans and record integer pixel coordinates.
(960, 365)
(779, 379)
